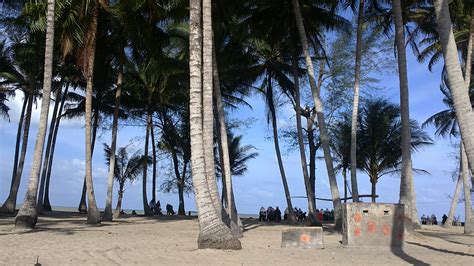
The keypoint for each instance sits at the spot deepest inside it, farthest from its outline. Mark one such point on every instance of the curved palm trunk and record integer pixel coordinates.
(46, 203)
(146, 207)
(83, 204)
(213, 232)
(10, 203)
(320, 116)
(221, 132)
(93, 214)
(108, 216)
(39, 204)
(407, 190)
(468, 224)
(27, 216)
(276, 143)
(180, 181)
(355, 104)
(153, 158)
(454, 202)
(461, 100)
(21, 121)
(118, 208)
(310, 192)
(208, 110)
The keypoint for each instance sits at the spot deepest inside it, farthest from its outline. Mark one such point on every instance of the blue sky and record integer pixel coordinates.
(261, 185)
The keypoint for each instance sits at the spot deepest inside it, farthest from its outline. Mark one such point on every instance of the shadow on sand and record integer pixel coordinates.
(441, 250)
(395, 246)
(68, 223)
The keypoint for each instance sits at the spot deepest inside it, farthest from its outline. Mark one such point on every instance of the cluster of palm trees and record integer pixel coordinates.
(177, 67)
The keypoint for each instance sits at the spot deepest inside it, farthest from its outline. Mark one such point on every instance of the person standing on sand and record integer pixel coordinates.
(445, 217)
(261, 214)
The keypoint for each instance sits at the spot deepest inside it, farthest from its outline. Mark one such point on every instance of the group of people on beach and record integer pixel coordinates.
(270, 214)
(432, 220)
(156, 208)
(274, 214)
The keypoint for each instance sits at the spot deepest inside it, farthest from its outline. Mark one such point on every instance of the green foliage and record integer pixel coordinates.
(127, 168)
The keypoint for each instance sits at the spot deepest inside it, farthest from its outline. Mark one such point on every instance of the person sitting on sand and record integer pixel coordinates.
(134, 212)
(262, 214)
(277, 214)
(152, 206)
(169, 209)
(423, 219)
(157, 209)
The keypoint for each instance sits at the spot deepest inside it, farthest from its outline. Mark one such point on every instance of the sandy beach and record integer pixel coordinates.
(63, 238)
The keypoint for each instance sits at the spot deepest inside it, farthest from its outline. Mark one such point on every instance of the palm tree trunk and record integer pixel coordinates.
(276, 143)
(46, 203)
(312, 153)
(39, 204)
(221, 133)
(309, 190)
(108, 216)
(374, 190)
(355, 104)
(461, 100)
(146, 207)
(153, 157)
(470, 45)
(93, 214)
(27, 216)
(10, 204)
(208, 109)
(454, 202)
(407, 190)
(468, 224)
(82, 204)
(344, 174)
(118, 208)
(18, 139)
(213, 232)
(181, 210)
(320, 116)
(180, 181)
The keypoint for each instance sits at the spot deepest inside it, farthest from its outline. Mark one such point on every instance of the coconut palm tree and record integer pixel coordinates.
(239, 156)
(445, 123)
(320, 116)
(379, 137)
(88, 55)
(27, 216)
(213, 232)
(407, 190)
(458, 85)
(128, 168)
(19, 70)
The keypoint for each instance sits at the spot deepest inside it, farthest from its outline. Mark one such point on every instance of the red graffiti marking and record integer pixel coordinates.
(357, 217)
(305, 238)
(371, 226)
(386, 230)
(357, 232)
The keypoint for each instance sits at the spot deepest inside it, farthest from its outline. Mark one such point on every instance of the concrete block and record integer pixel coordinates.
(373, 224)
(304, 237)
